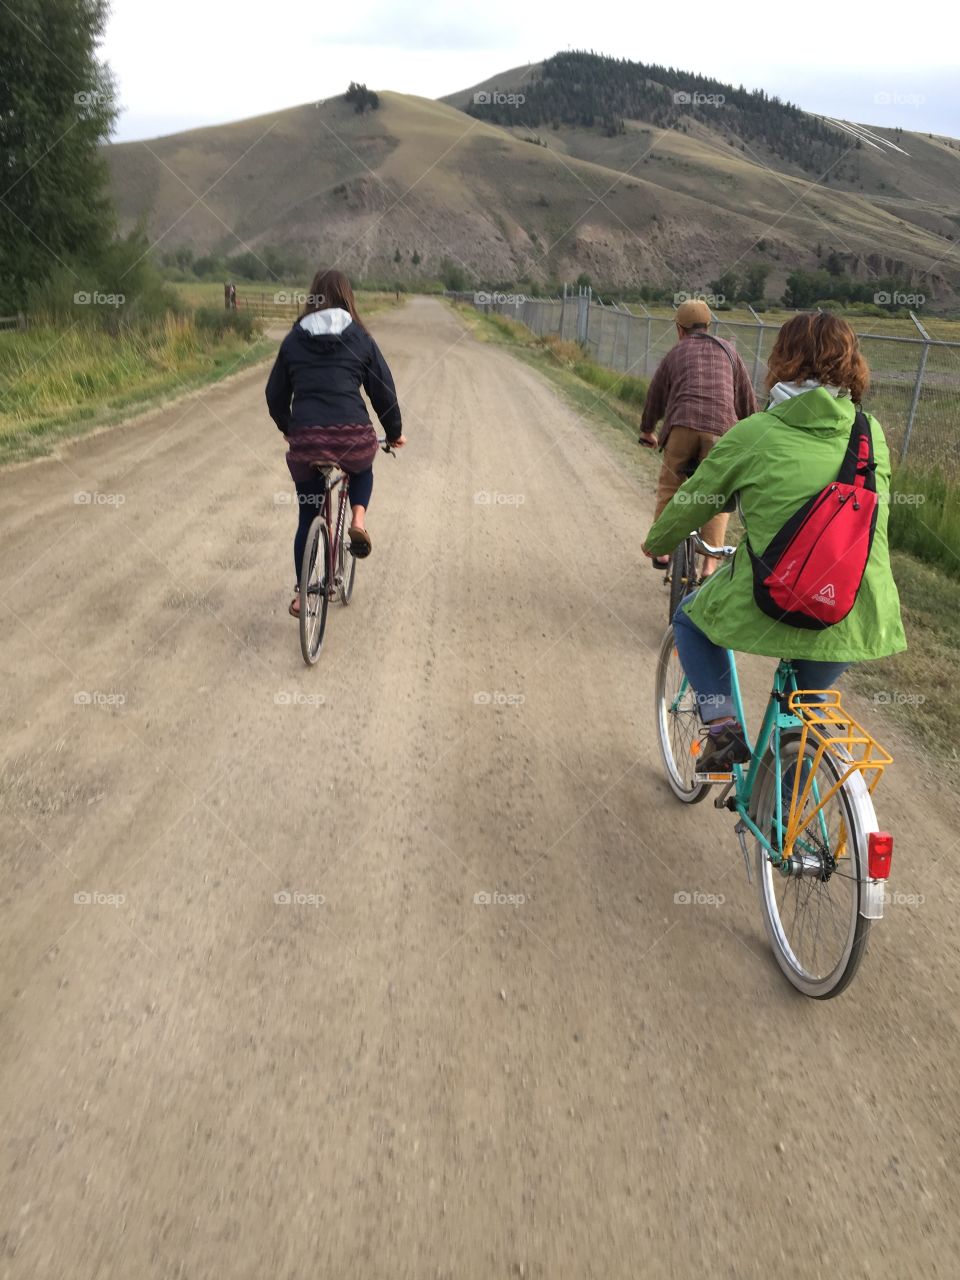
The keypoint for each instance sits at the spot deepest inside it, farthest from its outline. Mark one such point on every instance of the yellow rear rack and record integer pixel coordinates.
(852, 748)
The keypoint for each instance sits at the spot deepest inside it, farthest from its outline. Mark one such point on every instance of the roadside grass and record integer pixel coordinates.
(56, 383)
(925, 517)
(917, 690)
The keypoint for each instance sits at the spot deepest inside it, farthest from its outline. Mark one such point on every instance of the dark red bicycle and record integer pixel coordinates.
(329, 568)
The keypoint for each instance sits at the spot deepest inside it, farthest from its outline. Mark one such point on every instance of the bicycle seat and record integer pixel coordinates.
(324, 468)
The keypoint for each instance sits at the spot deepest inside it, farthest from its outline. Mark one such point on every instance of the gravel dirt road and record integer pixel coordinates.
(383, 1077)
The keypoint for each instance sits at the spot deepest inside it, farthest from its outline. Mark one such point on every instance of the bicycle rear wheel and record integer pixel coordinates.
(678, 724)
(313, 590)
(811, 909)
(683, 574)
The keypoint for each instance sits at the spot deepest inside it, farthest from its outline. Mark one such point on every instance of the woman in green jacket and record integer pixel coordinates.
(773, 462)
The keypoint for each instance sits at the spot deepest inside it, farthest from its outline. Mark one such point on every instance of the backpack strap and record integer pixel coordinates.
(859, 465)
(723, 347)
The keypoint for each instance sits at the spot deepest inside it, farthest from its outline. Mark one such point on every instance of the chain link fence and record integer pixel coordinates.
(914, 381)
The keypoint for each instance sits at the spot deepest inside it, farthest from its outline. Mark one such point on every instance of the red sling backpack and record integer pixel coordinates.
(811, 572)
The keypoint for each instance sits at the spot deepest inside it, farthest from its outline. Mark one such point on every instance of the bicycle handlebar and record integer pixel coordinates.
(384, 444)
(718, 553)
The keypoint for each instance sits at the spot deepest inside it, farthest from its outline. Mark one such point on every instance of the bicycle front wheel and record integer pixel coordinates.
(313, 590)
(346, 570)
(678, 724)
(812, 903)
(683, 574)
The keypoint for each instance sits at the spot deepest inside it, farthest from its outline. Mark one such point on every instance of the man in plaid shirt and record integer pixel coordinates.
(700, 389)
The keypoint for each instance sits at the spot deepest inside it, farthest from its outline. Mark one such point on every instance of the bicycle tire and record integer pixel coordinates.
(683, 569)
(313, 590)
(677, 728)
(347, 570)
(854, 807)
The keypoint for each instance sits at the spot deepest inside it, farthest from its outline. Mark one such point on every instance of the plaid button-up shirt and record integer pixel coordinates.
(698, 385)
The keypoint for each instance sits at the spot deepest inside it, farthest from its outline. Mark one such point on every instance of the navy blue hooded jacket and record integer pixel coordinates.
(322, 363)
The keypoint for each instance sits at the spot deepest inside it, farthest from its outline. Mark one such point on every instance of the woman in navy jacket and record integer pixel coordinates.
(313, 394)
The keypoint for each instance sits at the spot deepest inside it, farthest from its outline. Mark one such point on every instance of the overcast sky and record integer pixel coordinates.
(193, 62)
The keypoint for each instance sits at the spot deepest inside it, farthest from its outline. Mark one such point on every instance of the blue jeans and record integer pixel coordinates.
(707, 667)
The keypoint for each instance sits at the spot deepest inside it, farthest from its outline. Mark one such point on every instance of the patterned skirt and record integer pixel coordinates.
(350, 446)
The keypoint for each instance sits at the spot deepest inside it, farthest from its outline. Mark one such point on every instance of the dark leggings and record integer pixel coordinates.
(309, 498)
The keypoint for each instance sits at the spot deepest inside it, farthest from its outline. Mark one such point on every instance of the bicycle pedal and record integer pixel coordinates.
(713, 777)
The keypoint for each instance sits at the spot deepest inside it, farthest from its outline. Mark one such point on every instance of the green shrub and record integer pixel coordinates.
(218, 321)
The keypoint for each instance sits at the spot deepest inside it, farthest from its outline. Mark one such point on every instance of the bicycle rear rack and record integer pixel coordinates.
(836, 733)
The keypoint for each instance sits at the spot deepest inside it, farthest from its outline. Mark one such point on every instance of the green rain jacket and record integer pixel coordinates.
(774, 461)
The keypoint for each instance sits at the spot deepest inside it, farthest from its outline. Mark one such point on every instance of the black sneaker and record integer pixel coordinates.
(723, 747)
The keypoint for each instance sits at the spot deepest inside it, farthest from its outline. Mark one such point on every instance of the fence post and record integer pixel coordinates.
(918, 386)
(563, 307)
(646, 354)
(759, 353)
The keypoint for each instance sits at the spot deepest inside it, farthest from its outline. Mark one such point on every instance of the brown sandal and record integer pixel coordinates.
(294, 609)
(360, 544)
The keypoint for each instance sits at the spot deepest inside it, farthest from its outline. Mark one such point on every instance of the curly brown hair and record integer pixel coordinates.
(821, 346)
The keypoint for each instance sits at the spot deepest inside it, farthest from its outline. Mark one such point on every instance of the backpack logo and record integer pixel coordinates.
(826, 595)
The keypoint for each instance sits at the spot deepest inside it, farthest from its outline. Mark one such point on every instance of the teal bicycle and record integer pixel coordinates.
(805, 816)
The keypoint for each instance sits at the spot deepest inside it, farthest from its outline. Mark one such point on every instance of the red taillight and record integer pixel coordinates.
(879, 854)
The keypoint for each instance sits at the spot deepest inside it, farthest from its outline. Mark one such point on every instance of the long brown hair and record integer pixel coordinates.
(331, 288)
(821, 346)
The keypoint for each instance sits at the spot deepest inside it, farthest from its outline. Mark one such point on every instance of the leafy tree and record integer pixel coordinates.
(755, 282)
(416, 259)
(56, 108)
(453, 276)
(362, 98)
(834, 263)
(398, 257)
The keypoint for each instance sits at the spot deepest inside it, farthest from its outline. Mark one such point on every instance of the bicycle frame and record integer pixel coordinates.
(339, 482)
(776, 719)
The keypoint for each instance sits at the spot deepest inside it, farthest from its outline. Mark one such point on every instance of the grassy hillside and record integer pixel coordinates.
(419, 178)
